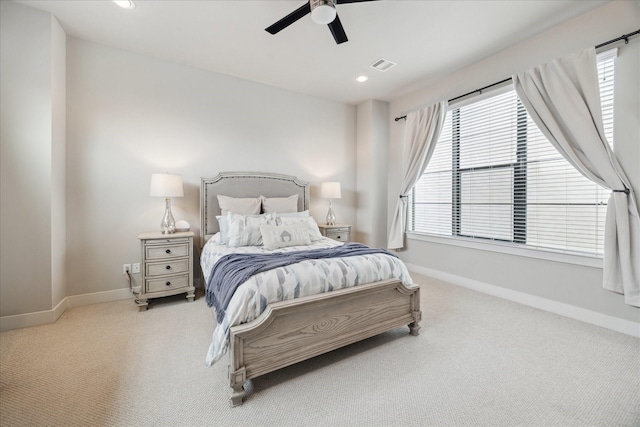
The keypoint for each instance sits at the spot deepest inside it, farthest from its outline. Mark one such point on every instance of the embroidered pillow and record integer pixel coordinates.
(245, 230)
(223, 225)
(279, 204)
(309, 222)
(281, 236)
(239, 205)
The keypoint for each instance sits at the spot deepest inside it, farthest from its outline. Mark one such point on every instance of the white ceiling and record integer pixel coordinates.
(427, 39)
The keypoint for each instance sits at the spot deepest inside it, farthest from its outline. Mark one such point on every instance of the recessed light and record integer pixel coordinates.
(362, 78)
(125, 4)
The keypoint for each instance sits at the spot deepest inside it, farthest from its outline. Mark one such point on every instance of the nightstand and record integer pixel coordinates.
(167, 266)
(339, 232)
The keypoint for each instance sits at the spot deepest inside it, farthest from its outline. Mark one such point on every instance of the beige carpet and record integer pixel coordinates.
(479, 361)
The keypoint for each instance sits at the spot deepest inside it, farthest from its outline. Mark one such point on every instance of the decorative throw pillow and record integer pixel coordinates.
(223, 225)
(279, 204)
(245, 230)
(309, 222)
(280, 236)
(239, 205)
(303, 214)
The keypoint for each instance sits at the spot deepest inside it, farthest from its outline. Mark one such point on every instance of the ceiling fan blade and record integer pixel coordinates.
(289, 19)
(338, 31)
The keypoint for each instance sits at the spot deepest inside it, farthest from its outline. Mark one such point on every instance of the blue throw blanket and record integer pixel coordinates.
(232, 270)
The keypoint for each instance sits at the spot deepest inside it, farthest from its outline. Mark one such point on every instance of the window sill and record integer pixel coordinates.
(506, 248)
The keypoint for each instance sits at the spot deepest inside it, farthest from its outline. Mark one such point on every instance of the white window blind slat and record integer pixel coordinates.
(494, 176)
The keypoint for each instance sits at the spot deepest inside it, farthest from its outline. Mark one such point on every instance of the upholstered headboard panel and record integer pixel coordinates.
(245, 184)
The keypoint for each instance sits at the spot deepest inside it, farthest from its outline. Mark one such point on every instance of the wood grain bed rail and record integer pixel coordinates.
(291, 331)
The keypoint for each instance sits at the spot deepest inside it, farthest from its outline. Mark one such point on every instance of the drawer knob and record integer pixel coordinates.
(168, 251)
(168, 267)
(337, 237)
(168, 283)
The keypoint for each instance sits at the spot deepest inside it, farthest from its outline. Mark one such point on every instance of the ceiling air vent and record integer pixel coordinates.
(383, 65)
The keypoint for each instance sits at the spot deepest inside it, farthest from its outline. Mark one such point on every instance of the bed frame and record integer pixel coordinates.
(289, 332)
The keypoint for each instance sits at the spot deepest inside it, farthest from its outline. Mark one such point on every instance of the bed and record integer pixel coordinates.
(272, 322)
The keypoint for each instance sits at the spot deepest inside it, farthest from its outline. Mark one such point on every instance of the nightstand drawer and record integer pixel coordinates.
(168, 283)
(340, 234)
(168, 267)
(167, 251)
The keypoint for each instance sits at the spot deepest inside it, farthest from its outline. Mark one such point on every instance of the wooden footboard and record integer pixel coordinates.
(291, 331)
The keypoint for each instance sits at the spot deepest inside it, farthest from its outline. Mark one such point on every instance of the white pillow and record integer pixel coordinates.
(310, 223)
(279, 204)
(303, 214)
(280, 236)
(216, 239)
(239, 205)
(223, 225)
(245, 230)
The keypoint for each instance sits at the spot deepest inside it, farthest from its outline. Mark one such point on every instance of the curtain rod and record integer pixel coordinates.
(624, 37)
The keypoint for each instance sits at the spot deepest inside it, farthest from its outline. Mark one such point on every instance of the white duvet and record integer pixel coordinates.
(308, 277)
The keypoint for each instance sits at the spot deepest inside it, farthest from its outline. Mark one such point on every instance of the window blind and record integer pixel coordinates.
(494, 176)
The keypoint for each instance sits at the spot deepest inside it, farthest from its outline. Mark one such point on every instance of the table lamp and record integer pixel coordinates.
(330, 190)
(167, 186)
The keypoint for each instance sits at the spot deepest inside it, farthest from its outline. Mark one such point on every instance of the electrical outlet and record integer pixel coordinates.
(126, 268)
(136, 267)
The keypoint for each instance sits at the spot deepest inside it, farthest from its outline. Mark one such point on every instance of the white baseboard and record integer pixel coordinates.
(100, 297)
(27, 320)
(50, 316)
(588, 316)
(33, 319)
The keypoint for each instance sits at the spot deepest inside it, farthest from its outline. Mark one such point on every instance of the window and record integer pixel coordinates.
(495, 177)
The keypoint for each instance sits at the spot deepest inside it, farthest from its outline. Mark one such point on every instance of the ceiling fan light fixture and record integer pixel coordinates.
(125, 4)
(323, 11)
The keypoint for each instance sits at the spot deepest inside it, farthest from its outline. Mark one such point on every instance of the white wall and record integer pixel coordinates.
(129, 116)
(580, 286)
(32, 177)
(58, 163)
(371, 172)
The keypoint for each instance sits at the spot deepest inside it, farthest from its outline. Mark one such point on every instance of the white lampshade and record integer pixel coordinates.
(166, 185)
(323, 11)
(330, 190)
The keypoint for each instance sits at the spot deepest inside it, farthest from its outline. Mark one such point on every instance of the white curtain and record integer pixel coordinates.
(422, 130)
(563, 98)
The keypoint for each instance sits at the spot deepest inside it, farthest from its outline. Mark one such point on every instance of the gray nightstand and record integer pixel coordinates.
(167, 266)
(339, 232)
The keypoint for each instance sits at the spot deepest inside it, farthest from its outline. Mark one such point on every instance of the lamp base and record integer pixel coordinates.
(331, 217)
(168, 224)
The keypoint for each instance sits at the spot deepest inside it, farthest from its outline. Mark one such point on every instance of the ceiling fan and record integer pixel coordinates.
(322, 12)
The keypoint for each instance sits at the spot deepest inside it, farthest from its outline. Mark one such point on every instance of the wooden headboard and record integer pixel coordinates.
(245, 184)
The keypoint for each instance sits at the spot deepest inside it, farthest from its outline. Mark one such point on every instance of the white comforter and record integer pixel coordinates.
(304, 278)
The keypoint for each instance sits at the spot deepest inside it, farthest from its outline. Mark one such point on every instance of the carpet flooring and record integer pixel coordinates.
(478, 361)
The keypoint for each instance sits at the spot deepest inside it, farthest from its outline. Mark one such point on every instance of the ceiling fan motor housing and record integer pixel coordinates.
(323, 11)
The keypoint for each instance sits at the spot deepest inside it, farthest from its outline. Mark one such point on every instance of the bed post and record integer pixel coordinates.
(237, 380)
(414, 327)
